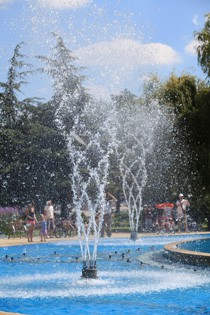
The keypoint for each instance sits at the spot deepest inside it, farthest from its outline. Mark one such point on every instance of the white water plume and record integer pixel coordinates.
(89, 148)
(62, 285)
(138, 131)
(85, 125)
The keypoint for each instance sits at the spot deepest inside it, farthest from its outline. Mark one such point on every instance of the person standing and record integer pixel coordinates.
(31, 221)
(182, 205)
(168, 220)
(107, 214)
(49, 214)
(43, 228)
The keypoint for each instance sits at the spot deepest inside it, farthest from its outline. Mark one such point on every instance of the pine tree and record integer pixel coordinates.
(10, 106)
(69, 94)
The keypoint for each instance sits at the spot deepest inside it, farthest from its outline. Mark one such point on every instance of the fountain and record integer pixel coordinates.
(134, 145)
(131, 280)
(90, 163)
(93, 132)
(134, 278)
(97, 131)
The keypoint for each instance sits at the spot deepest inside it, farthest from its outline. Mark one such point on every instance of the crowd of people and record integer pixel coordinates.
(46, 222)
(165, 217)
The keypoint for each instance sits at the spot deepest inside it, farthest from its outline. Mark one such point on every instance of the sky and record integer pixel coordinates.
(120, 43)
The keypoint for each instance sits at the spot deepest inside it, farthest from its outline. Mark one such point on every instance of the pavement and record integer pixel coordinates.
(23, 241)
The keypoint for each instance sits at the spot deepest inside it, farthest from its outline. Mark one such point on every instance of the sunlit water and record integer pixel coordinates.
(46, 279)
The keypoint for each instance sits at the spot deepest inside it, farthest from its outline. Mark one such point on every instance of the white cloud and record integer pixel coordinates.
(64, 4)
(195, 20)
(191, 47)
(127, 53)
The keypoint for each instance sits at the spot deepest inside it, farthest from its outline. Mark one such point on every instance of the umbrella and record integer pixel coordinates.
(164, 205)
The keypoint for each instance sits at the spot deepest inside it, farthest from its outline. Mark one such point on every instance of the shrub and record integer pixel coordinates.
(7, 216)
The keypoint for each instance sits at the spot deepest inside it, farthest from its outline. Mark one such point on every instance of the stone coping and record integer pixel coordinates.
(187, 256)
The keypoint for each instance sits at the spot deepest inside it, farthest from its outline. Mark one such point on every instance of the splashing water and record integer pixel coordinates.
(53, 282)
(134, 145)
(89, 148)
(94, 129)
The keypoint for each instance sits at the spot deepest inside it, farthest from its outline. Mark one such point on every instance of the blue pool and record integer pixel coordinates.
(202, 245)
(46, 279)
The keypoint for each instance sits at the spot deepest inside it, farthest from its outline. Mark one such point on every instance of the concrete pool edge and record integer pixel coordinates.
(9, 313)
(187, 256)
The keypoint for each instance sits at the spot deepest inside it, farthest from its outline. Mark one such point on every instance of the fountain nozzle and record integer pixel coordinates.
(134, 236)
(89, 273)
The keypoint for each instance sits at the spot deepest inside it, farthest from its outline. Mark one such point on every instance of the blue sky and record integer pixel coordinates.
(120, 42)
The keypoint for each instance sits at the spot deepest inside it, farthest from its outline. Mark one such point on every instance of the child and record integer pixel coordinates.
(43, 228)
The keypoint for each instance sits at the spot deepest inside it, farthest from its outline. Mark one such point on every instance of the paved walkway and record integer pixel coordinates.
(20, 241)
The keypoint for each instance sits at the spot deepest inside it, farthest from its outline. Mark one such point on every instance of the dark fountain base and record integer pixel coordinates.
(89, 273)
(134, 236)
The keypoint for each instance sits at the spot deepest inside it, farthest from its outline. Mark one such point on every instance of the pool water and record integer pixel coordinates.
(46, 279)
(202, 245)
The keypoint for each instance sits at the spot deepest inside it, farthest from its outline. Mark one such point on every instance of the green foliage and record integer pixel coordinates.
(189, 98)
(7, 216)
(10, 106)
(203, 49)
(179, 93)
(151, 89)
(121, 220)
(34, 162)
(69, 95)
(125, 99)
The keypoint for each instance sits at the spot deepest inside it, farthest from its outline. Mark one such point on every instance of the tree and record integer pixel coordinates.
(179, 93)
(203, 49)
(34, 160)
(69, 95)
(11, 110)
(33, 156)
(151, 89)
(10, 106)
(188, 97)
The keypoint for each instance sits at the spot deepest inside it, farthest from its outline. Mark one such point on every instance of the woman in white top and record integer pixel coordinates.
(182, 205)
(49, 214)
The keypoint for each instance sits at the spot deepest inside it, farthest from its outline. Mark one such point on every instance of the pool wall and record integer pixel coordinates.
(176, 253)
